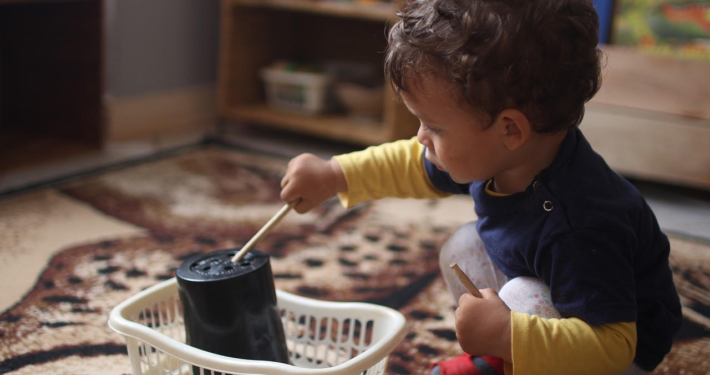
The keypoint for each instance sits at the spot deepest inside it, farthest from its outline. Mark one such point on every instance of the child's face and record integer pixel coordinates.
(455, 138)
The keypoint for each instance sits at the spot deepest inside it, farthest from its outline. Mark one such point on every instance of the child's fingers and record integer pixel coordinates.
(303, 206)
(288, 193)
(465, 301)
(465, 298)
(488, 293)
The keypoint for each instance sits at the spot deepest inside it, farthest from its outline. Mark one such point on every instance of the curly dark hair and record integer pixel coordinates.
(538, 56)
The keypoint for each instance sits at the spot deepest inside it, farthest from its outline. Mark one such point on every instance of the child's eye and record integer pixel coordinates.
(431, 130)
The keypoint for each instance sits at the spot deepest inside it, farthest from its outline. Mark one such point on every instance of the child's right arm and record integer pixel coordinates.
(393, 169)
(311, 180)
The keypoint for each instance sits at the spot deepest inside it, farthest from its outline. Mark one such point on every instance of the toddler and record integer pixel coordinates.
(572, 264)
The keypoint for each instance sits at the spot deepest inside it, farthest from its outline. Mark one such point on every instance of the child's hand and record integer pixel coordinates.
(483, 325)
(312, 180)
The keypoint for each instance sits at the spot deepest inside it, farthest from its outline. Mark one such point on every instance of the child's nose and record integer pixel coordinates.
(422, 136)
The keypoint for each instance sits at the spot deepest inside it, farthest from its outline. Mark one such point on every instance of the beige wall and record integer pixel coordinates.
(161, 64)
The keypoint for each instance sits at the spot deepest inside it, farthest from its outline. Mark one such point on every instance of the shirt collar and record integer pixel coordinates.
(487, 204)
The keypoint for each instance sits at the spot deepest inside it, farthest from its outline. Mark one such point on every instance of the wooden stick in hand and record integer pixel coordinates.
(265, 229)
(465, 280)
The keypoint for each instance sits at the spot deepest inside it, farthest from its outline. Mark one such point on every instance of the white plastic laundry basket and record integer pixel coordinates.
(341, 338)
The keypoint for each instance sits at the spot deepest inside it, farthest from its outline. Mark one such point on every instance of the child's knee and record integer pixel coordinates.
(529, 295)
(462, 243)
(466, 248)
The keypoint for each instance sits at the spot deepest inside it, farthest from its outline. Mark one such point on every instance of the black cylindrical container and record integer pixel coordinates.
(230, 308)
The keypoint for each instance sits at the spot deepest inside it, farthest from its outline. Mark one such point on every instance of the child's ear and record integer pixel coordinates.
(514, 127)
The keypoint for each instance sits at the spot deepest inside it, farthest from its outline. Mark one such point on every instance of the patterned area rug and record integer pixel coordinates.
(70, 253)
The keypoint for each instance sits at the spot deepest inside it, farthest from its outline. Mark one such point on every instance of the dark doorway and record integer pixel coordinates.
(51, 80)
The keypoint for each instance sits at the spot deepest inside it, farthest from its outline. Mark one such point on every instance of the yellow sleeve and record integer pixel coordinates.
(556, 346)
(393, 169)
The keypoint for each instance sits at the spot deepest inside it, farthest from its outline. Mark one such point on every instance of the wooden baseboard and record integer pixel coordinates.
(650, 145)
(156, 114)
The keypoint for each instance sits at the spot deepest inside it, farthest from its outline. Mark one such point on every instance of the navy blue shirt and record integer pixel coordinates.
(591, 237)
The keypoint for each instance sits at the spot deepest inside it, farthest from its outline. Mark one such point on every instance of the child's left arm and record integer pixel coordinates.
(534, 345)
(560, 346)
(483, 325)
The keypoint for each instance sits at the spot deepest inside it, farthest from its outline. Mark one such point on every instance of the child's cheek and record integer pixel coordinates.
(451, 161)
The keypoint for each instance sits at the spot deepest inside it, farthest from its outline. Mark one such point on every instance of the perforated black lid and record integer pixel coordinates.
(218, 265)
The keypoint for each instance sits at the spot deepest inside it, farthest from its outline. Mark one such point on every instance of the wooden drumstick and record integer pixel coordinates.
(265, 229)
(465, 280)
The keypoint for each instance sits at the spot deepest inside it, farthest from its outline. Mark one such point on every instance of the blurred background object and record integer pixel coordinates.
(107, 80)
(115, 79)
(361, 101)
(605, 10)
(346, 38)
(294, 86)
(161, 66)
(51, 80)
(676, 28)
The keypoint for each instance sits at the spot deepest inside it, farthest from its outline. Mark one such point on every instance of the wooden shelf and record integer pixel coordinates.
(375, 11)
(651, 118)
(255, 33)
(337, 127)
